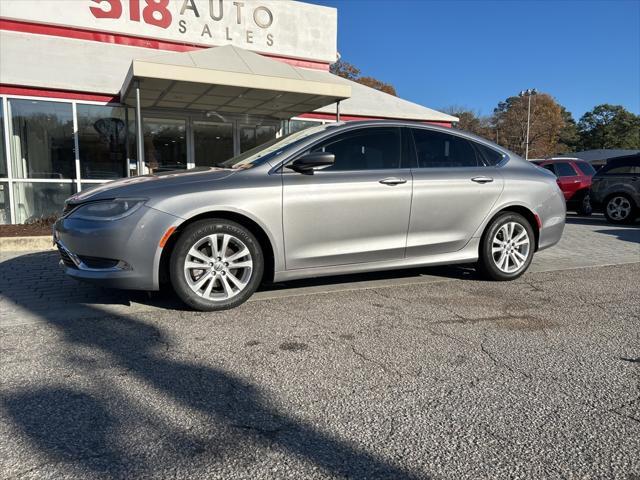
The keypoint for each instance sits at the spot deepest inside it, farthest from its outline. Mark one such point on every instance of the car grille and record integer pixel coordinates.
(66, 259)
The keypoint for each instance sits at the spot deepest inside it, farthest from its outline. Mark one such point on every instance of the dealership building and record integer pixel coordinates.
(94, 90)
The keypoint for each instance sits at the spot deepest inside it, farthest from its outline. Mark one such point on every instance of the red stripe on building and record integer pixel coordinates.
(353, 118)
(62, 94)
(130, 40)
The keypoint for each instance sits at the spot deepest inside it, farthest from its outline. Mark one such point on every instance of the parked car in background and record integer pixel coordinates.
(574, 178)
(616, 189)
(333, 199)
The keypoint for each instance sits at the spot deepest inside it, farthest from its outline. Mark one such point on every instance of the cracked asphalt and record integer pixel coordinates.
(454, 378)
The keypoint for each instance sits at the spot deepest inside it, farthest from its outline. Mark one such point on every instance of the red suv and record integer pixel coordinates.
(574, 178)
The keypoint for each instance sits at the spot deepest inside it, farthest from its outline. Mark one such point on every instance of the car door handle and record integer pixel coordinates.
(393, 181)
(482, 179)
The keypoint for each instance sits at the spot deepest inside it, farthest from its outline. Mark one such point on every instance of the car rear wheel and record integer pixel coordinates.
(619, 209)
(216, 265)
(507, 247)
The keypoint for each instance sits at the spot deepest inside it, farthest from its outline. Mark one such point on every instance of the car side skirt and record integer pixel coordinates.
(469, 254)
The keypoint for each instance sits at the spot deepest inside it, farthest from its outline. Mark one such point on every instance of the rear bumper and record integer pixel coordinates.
(132, 244)
(553, 214)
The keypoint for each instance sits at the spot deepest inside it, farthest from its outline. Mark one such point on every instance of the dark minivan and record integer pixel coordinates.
(615, 189)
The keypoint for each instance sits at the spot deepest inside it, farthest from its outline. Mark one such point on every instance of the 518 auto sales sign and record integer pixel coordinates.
(279, 27)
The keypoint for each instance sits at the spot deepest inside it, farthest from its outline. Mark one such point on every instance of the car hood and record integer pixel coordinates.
(148, 185)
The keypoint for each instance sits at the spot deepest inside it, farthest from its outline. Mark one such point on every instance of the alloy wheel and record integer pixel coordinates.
(218, 267)
(510, 247)
(619, 208)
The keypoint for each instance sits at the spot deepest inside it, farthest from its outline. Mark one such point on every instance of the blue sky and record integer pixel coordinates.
(476, 53)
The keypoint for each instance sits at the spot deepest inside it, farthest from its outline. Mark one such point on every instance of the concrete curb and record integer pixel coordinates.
(21, 244)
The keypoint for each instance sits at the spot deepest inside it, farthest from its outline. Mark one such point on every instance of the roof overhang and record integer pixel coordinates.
(228, 80)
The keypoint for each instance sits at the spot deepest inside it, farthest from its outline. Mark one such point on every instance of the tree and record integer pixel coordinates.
(609, 126)
(546, 124)
(345, 70)
(471, 121)
(569, 136)
(351, 72)
(378, 85)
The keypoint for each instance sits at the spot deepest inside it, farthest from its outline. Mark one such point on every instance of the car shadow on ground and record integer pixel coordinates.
(65, 292)
(85, 428)
(626, 233)
(596, 219)
(83, 425)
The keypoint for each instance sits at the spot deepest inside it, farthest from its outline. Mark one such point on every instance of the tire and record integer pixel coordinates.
(216, 286)
(505, 228)
(584, 207)
(619, 209)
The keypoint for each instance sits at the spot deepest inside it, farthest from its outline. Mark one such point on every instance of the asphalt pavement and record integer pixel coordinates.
(448, 377)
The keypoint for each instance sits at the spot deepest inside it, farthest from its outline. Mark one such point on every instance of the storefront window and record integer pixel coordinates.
(5, 211)
(213, 143)
(37, 201)
(42, 140)
(165, 144)
(3, 156)
(102, 139)
(251, 136)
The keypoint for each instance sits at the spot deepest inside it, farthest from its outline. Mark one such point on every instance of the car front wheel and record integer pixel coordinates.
(507, 247)
(619, 209)
(216, 265)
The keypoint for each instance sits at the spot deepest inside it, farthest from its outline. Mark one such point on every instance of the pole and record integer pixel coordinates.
(526, 154)
(338, 111)
(139, 137)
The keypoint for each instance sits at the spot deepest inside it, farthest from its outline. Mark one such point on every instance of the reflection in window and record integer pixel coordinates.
(165, 145)
(3, 157)
(251, 137)
(102, 137)
(35, 201)
(213, 143)
(42, 140)
(5, 212)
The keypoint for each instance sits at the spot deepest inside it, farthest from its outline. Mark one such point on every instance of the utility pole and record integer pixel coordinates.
(528, 93)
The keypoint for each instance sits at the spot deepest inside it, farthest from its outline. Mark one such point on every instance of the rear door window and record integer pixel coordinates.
(490, 156)
(564, 169)
(586, 168)
(624, 170)
(436, 149)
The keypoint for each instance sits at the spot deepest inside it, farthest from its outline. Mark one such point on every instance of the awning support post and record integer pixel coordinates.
(139, 137)
(338, 111)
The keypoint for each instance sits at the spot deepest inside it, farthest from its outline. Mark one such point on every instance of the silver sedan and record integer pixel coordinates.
(334, 199)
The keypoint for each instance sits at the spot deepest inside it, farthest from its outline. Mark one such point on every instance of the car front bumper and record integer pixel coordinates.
(122, 253)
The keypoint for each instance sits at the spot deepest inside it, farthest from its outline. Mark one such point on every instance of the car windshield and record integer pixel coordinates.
(262, 153)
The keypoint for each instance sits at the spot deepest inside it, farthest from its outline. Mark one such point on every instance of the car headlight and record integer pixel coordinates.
(106, 210)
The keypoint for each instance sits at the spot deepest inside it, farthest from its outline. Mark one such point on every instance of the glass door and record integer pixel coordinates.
(212, 143)
(165, 144)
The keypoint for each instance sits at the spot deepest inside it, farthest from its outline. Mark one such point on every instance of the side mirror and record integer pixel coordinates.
(312, 161)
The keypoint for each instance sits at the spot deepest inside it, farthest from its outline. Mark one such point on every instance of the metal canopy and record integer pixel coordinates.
(230, 80)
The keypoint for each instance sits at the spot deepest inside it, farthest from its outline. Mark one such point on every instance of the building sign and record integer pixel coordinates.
(280, 27)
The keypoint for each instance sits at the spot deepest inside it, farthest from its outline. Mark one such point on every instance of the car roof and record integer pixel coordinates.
(428, 126)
